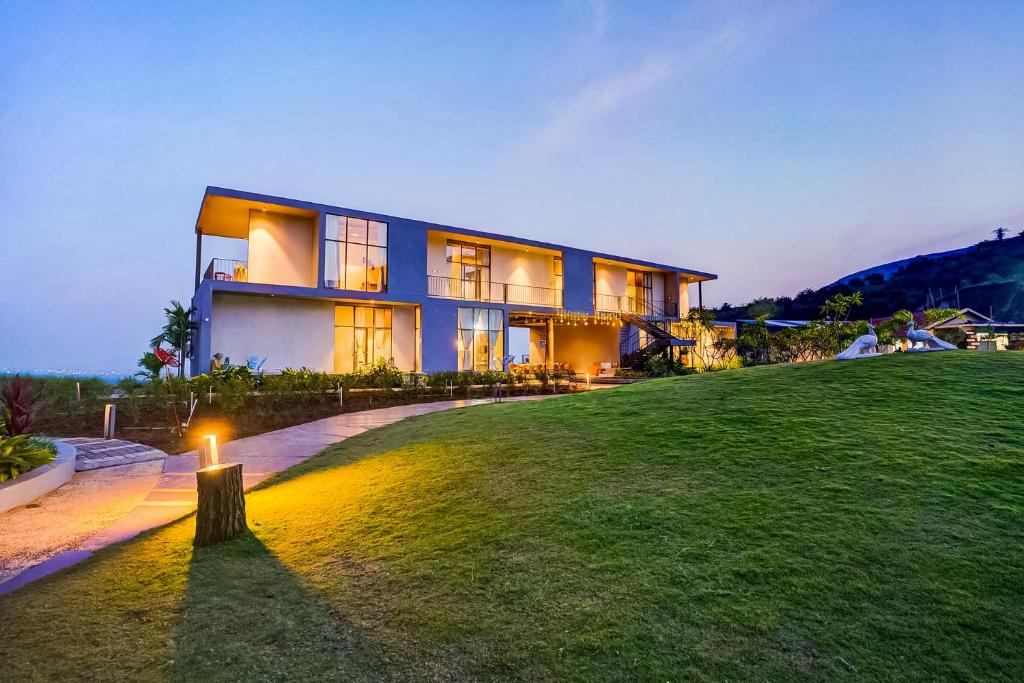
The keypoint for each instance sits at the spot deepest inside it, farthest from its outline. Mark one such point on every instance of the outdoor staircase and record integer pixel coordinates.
(644, 336)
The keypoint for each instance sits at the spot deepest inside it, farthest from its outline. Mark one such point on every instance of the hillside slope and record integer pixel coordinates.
(859, 520)
(988, 277)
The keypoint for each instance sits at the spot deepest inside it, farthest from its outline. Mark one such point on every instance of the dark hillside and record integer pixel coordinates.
(988, 277)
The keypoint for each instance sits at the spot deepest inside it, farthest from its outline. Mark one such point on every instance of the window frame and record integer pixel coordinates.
(342, 246)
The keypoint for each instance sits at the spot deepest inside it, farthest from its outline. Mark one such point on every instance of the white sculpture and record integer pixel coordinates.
(862, 347)
(923, 340)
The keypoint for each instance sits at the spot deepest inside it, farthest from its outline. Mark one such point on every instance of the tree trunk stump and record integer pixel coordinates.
(221, 513)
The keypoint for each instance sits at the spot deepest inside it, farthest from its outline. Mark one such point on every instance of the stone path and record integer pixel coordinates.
(173, 494)
(94, 453)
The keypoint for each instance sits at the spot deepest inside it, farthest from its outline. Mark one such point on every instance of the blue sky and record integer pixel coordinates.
(781, 145)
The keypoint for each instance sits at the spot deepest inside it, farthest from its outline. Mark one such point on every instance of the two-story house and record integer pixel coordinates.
(334, 289)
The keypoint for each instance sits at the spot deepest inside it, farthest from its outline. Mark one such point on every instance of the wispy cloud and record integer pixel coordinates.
(575, 116)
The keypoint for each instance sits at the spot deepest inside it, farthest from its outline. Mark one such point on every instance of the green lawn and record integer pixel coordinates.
(859, 520)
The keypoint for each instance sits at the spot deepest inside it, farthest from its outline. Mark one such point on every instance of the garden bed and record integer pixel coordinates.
(152, 420)
(38, 482)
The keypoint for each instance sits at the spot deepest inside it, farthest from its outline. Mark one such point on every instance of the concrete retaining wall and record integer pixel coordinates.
(39, 481)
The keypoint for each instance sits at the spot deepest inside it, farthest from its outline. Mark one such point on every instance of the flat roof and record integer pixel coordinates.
(209, 210)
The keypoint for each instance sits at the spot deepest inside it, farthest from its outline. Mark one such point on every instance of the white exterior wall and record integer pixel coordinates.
(282, 249)
(289, 332)
(610, 280)
(436, 265)
(518, 267)
(684, 299)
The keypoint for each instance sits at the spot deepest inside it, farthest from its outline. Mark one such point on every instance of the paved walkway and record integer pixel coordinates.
(174, 492)
(94, 453)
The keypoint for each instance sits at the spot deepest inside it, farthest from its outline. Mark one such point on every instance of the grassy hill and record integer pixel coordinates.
(857, 520)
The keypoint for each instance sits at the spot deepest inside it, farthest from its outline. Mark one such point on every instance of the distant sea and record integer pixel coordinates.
(111, 377)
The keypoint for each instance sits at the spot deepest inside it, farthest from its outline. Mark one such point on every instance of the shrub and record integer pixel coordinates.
(380, 375)
(231, 394)
(21, 453)
(491, 377)
(440, 380)
(20, 401)
(662, 366)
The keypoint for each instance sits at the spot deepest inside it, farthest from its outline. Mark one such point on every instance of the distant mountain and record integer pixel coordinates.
(887, 269)
(988, 277)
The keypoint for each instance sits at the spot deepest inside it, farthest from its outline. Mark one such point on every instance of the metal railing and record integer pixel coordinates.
(229, 269)
(610, 303)
(494, 292)
(533, 296)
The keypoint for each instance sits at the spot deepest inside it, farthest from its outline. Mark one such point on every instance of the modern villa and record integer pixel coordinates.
(333, 289)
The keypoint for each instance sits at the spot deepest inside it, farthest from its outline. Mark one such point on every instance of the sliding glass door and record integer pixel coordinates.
(362, 336)
(470, 270)
(481, 339)
(639, 291)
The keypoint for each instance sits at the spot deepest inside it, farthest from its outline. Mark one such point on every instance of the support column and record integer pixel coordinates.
(199, 256)
(549, 348)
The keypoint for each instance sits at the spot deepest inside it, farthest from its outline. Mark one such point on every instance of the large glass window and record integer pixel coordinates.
(469, 270)
(639, 291)
(356, 254)
(481, 339)
(362, 336)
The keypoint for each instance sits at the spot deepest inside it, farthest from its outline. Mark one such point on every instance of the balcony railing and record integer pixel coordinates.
(609, 303)
(493, 292)
(228, 269)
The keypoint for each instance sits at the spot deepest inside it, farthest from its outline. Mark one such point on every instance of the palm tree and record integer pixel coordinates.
(177, 332)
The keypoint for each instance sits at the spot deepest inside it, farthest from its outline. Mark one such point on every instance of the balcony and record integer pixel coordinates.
(608, 303)
(227, 270)
(492, 292)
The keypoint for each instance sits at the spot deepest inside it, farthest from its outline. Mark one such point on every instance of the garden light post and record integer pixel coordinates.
(109, 420)
(221, 512)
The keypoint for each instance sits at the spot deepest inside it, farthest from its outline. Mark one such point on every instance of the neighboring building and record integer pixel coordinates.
(333, 289)
(980, 331)
(771, 325)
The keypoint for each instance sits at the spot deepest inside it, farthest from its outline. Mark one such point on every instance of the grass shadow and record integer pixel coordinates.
(245, 616)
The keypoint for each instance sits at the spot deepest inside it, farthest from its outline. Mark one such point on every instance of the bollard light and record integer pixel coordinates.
(109, 420)
(208, 456)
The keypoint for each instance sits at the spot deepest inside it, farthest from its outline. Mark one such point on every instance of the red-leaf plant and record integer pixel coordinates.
(19, 405)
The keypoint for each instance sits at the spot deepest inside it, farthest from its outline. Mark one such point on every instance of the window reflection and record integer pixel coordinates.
(356, 255)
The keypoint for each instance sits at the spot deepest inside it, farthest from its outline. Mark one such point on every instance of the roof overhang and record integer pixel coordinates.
(225, 216)
(495, 242)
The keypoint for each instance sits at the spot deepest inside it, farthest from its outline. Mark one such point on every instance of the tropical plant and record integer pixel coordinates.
(177, 332)
(20, 401)
(150, 365)
(21, 453)
(710, 340)
(666, 366)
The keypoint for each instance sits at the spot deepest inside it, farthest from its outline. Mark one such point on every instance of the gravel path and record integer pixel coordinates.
(67, 518)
